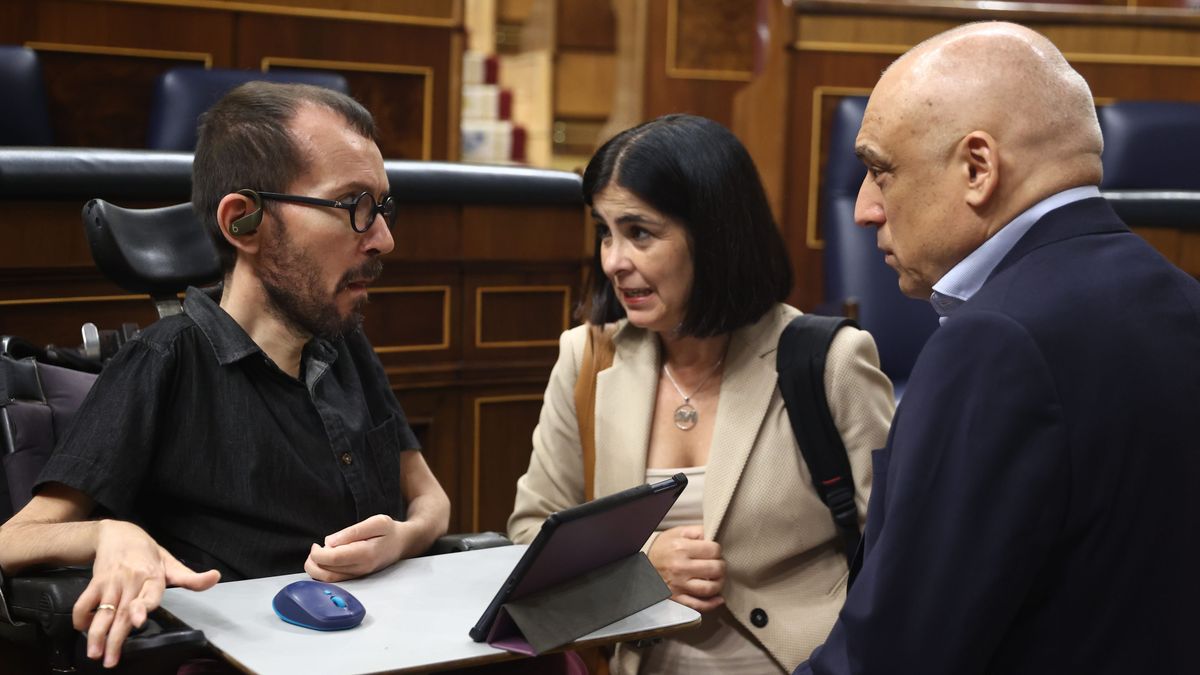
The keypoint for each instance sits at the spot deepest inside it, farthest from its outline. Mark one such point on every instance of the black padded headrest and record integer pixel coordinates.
(84, 173)
(153, 175)
(156, 251)
(1176, 209)
(454, 183)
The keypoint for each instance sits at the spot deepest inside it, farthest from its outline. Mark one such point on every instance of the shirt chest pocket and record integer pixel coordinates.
(384, 446)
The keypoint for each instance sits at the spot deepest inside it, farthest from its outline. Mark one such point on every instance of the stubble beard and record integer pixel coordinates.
(294, 290)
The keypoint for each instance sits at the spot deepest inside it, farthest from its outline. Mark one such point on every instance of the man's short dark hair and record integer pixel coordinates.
(696, 171)
(243, 142)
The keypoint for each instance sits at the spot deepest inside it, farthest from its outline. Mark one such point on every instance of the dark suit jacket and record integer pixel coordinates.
(1037, 507)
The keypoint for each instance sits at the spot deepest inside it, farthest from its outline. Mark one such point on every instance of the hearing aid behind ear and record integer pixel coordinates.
(248, 223)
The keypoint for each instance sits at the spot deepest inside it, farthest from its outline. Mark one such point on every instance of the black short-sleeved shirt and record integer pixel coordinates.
(227, 461)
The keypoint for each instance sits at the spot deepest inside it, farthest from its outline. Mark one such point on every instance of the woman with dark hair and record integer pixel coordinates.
(686, 293)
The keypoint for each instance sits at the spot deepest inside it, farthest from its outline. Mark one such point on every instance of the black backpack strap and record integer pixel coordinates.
(800, 363)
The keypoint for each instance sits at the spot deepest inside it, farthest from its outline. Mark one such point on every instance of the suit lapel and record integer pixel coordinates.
(624, 409)
(746, 391)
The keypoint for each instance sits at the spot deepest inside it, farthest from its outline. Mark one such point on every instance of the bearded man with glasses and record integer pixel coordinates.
(223, 442)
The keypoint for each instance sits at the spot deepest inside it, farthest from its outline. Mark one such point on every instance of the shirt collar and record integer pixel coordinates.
(228, 340)
(966, 278)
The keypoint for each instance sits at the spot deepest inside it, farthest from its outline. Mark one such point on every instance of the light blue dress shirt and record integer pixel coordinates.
(966, 278)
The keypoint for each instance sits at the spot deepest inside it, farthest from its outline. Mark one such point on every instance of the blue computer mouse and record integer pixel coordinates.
(318, 605)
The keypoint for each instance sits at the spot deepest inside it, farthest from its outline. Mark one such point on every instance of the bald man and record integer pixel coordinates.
(1035, 508)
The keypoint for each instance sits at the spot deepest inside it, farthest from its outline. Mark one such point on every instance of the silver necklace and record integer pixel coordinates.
(686, 414)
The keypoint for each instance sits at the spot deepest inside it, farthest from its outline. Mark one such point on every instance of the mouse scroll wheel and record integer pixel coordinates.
(337, 600)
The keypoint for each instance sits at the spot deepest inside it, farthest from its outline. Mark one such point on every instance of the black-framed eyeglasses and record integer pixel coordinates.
(362, 208)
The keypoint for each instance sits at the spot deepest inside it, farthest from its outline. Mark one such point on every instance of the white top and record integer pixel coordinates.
(689, 508)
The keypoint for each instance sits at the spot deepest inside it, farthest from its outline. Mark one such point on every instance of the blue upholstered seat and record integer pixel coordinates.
(24, 118)
(182, 94)
(1150, 145)
(854, 267)
(1149, 176)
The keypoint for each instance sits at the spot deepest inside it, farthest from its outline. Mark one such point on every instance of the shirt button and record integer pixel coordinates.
(758, 617)
(347, 459)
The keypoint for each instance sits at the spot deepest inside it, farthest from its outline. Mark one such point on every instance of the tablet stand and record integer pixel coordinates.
(560, 614)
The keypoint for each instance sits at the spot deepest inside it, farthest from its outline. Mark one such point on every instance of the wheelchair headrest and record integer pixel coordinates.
(157, 251)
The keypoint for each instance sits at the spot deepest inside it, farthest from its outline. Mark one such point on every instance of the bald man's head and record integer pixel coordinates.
(1011, 82)
(964, 132)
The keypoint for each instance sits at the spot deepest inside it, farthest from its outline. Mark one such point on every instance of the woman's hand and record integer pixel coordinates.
(691, 565)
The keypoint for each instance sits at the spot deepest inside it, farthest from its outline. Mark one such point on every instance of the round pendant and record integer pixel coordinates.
(686, 416)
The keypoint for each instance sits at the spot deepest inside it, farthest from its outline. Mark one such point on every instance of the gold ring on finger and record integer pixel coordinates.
(106, 606)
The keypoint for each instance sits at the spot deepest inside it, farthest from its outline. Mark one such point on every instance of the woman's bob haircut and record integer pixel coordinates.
(696, 171)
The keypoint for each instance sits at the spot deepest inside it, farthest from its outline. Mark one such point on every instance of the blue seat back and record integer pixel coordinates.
(1150, 145)
(854, 267)
(181, 95)
(24, 116)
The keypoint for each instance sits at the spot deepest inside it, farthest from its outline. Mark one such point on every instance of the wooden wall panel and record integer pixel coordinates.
(520, 233)
(687, 84)
(83, 107)
(414, 318)
(585, 24)
(58, 321)
(116, 24)
(432, 11)
(503, 424)
(585, 85)
(102, 58)
(518, 312)
(409, 67)
(711, 36)
(532, 315)
(14, 17)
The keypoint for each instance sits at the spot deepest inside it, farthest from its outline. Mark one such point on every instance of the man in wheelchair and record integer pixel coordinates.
(255, 434)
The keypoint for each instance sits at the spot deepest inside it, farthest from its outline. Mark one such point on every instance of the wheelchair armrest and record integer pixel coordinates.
(467, 541)
(46, 599)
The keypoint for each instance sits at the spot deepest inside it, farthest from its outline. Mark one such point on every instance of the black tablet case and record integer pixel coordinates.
(584, 571)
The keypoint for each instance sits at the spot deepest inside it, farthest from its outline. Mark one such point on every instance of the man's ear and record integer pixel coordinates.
(238, 214)
(981, 162)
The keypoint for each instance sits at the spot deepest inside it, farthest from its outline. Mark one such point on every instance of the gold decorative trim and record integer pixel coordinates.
(203, 57)
(475, 452)
(438, 346)
(850, 47)
(811, 236)
(1073, 57)
(454, 21)
(18, 302)
(677, 73)
(388, 68)
(479, 291)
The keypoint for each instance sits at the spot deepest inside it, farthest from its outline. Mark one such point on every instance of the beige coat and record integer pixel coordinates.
(777, 538)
